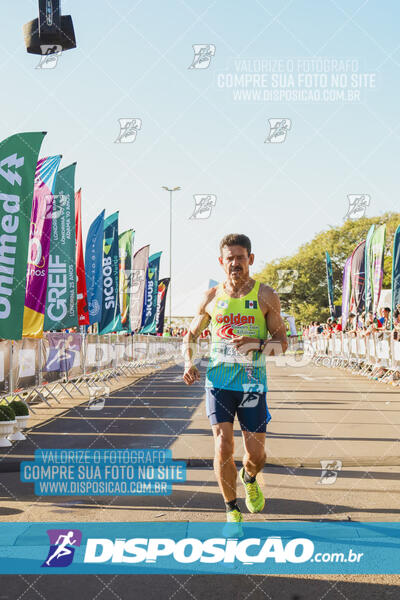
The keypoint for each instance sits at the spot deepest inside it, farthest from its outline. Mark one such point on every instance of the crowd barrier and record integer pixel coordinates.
(364, 354)
(63, 362)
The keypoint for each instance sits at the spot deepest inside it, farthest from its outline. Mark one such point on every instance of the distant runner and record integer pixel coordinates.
(239, 312)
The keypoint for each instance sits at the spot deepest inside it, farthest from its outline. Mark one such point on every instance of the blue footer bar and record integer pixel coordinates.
(254, 548)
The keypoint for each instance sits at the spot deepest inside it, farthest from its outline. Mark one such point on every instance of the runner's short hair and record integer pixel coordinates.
(236, 239)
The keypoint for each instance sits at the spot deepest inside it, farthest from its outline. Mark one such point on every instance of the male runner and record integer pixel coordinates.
(240, 312)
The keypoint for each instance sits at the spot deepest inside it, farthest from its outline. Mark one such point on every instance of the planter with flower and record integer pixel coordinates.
(7, 422)
(21, 419)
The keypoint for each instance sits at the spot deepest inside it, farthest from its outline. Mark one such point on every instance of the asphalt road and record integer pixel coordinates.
(319, 414)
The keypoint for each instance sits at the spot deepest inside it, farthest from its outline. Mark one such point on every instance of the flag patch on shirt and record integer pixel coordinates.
(223, 304)
(250, 303)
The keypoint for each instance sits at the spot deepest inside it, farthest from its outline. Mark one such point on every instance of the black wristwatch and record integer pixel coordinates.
(262, 345)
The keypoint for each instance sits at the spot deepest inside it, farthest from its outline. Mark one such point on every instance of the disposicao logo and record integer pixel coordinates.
(62, 542)
(191, 550)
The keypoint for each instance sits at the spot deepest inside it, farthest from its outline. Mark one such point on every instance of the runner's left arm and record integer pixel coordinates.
(278, 343)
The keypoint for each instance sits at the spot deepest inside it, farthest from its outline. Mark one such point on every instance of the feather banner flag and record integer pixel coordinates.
(61, 309)
(83, 310)
(39, 246)
(376, 266)
(396, 273)
(346, 292)
(18, 161)
(329, 279)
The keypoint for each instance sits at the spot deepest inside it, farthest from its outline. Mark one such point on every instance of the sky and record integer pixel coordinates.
(207, 129)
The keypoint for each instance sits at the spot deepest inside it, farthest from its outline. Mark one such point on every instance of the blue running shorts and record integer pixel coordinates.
(250, 407)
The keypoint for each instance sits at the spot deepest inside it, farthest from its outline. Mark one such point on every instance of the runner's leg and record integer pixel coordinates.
(253, 462)
(254, 457)
(224, 466)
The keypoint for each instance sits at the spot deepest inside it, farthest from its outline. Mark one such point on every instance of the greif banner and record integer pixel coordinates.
(161, 304)
(329, 279)
(39, 246)
(110, 314)
(346, 290)
(126, 241)
(138, 280)
(367, 259)
(358, 277)
(94, 268)
(396, 272)
(376, 267)
(150, 295)
(83, 311)
(18, 160)
(61, 308)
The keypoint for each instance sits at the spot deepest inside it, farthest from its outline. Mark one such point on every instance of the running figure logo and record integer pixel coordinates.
(128, 130)
(329, 471)
(203, 54)
(203, 205)
(251, 393)
(357, 206)
(278, 129)
(50, 55)
(287, 277)
(61, 552)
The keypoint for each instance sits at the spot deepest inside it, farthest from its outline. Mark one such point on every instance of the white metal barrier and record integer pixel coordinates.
(63, 362)
(377, 352)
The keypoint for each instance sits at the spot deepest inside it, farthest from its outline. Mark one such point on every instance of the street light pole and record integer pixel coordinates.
(170, 190)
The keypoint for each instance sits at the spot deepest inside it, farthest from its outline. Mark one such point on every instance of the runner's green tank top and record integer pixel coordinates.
(231, 317)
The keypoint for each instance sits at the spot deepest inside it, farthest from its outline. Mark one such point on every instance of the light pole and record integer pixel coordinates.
(170, 190)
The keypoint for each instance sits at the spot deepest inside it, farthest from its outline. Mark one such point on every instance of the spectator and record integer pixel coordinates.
(396, 325)
(384, 319)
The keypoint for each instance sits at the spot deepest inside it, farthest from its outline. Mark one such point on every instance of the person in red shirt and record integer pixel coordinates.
(339, 325)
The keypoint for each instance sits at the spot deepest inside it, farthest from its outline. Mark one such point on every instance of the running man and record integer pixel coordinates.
(239, 311)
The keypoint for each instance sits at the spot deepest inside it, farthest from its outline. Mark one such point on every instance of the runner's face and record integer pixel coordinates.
(236, 262)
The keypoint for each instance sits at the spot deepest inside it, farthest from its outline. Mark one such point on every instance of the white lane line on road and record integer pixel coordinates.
(305, 377)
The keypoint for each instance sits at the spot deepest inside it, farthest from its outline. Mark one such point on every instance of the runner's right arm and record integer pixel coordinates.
(200, 322)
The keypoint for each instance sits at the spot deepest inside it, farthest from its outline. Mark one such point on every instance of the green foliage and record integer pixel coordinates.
(20, 408)
(308, 299)
(6, 413)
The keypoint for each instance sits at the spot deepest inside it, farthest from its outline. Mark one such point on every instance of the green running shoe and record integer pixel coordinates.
(255, 500)
(233, 527)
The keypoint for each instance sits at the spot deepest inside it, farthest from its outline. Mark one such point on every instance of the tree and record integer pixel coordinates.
(300, 280)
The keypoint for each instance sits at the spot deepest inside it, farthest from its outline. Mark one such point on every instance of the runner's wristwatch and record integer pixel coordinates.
(262, 345)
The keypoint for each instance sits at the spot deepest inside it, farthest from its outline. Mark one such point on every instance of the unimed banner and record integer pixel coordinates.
(110, 315)
(83, 312)
(39, 246)
(18, 159)
(94, 268)
(126, 241)
(61, 308)
(151, 294)
(161, 303)
(138, 280)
